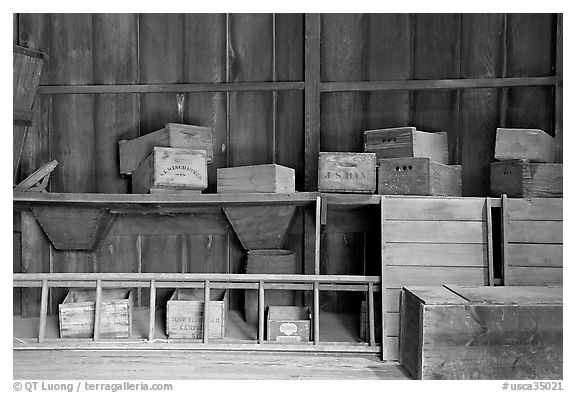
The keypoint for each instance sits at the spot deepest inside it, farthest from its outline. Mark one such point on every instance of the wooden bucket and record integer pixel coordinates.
(270, 261)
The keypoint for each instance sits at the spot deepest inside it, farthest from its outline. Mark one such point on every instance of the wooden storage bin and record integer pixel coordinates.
(76, 314)
(418, 176)
(523, 179)
(168, 168)
(347, 172)
(256, 178)
(524, 144)
(481, 333)
(185, 313)
(407, 142)
(288, 324)
(134, 151)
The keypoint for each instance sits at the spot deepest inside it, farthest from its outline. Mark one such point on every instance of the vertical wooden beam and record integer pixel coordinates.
(43, 311)
(503, 96)
(316, 314)
(371, 313)
(98, 310)
(206, 324)
(489, 242)
(261, 310)
(383, 275)
(312, 101)
(504, 226)
(152, 315)
(317, 236)
(558, 123)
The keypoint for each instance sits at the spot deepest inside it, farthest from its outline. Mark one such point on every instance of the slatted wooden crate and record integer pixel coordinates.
(524, 144)
(432, 241)
(532, 241)
(256, 178)
(481, 333)
(77, 313)
(133, 152)
(418, 176)
(347, 172)
(407, 142)
(185, 314)
(288, 324)
(171, 170)
(27, 66)
(525, 179)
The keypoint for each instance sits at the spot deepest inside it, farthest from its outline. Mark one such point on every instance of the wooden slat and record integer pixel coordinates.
(206, 320)
(535, 232)
(152, 311)
(312, 101)
(534, 275)
(535, 209)
(316, 314)
(434, 209)
(261, 310)
(371, 317)
(317, 238)
(435, 232)
(399, 276)
(490, 241)
(98, 310)
(558, 91)
(43, 311)
(436, 254)
(383, 277)
(535, 255)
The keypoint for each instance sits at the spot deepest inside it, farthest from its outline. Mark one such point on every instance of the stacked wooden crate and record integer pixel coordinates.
(412, 162)
(525, 166)
(171, 160)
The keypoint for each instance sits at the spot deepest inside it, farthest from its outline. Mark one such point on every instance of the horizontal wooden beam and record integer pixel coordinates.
(23, 117)
(170, 88)
(436, 84)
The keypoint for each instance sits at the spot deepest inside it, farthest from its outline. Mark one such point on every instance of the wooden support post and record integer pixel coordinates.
(317, 236)
(558, 100)
(206, 324)
(97, 310)
(504, 226)
(372, 334)
(261, 312)
(312, 101)
(383, 275)
(43, 311)
(489, 242)
(152, 316)
(316, 314)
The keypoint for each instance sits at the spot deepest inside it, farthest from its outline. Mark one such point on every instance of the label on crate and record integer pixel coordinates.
(288, 328)
(288, 338)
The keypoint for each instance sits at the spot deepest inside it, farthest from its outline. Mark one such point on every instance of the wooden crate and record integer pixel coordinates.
(407, 142)
(27, 67)
(76, 314)
(347, 172)
(133, 152)
(481, 333)
(524, 144)
(256, 178)
(185, 314)
(524, 179)
(288, 324)
(418, 176)
(171, 168)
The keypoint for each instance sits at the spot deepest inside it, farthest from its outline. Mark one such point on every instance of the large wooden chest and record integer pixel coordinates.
(76, 314)
(524, 179)
(256, 178)
(171, 169)
(418, 176)
(481, 332)
(347, 172)
(134, 151)
(185, 314)
(407, 142)
(524, 144)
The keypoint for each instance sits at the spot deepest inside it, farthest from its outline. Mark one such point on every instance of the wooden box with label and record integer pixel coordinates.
(185, 314)
(171, 170)
(347, 172)
(288, 324)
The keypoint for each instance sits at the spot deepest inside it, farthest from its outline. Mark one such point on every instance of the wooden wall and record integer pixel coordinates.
(81, 131)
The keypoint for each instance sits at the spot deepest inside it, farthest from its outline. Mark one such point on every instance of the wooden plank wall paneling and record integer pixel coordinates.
(17, 260)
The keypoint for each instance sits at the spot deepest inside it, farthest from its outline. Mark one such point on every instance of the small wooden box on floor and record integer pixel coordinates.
(133, 152)
(407, 142)
(288, 324)
(171, 170)
(524, 144)
(347, 172)
(185, 314)
(481, 332)
(256, 178)
(522, 179)
(76, 314)
(418, 176)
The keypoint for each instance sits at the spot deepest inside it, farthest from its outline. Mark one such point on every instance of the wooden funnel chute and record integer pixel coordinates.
(70, 228)
(261, 227)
